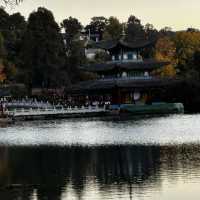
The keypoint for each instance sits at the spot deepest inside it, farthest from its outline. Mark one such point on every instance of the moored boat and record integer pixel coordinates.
(155, 108)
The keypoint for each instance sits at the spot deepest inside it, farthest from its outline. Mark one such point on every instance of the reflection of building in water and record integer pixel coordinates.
(51, 172)
(4, 166)
(62, 173)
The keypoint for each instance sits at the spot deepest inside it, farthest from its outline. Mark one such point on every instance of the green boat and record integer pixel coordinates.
(155, 108)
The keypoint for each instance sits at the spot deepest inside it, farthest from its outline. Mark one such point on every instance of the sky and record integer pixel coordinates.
(178, 14)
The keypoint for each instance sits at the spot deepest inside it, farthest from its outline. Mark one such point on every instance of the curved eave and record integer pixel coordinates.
(111, 44)
(105, 67)
(106, 45)
(136, 45)
(109, 84)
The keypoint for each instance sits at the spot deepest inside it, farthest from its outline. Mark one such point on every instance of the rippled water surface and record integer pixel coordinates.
(143, 158)
(174, 129)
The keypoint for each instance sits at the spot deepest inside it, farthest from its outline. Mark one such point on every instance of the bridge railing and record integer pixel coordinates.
(62, 110)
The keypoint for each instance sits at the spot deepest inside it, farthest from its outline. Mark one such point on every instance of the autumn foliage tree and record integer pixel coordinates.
(12, 28)
(7, 68)
(187, 44)
(2, 55)
(165, 50)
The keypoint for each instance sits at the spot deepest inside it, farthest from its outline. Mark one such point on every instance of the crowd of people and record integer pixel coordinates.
(39, 103)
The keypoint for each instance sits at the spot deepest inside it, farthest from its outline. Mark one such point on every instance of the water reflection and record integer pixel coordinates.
(112, 172)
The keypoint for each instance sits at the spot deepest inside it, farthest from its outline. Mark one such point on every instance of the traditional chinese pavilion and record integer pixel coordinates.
(127, 78)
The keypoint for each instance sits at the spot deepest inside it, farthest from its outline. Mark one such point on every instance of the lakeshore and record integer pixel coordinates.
(127, 111)
(98, 111)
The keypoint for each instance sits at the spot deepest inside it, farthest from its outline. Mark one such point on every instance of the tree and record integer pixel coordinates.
(192, 30)
(16, 22)
(97, 26)
(195, 63)
(187, 43)
(2, 54)
(151, 32)
(166, 31)
(7, 69)
(12, 28)
(165, 50)
(4, 17)
(134, 28)
(75, 59)
(17, 27)
(2, 49)
(71, 26)
(113, 29)
(101, 57)
(43, 51)
(72, 29)
(74, 48)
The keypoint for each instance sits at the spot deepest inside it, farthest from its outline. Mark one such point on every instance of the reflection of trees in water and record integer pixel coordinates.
(181, 161)
(125, 168)
(51, 170)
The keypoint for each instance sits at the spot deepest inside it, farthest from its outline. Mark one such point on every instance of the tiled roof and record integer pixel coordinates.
(135, 44)
(109, 66)
(104, 84)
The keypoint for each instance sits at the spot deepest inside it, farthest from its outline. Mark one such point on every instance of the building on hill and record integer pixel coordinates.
(127, 78)
(89, 40)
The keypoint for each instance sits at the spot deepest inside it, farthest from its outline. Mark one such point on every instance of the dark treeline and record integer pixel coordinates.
(40, 53)
(36, 53)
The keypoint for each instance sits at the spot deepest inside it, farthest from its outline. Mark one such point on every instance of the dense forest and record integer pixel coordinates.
(34, 53)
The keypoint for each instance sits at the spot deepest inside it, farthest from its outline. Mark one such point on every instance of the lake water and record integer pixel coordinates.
(149, 158)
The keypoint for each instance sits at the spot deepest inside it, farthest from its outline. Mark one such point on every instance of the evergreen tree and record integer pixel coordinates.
(4, 16)
(17, 27)
(113, 29)
(135, 29)
(12, 28)
(74, 48)
(43, 51)
(72, 29)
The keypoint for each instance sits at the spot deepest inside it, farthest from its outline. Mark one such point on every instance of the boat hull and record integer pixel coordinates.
(157, 108)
